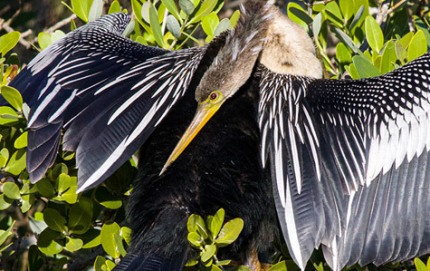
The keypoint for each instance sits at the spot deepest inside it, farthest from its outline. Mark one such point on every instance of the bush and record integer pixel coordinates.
(47, 226)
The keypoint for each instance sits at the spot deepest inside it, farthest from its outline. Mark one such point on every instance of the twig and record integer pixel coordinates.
(61, 23)
(6, 26)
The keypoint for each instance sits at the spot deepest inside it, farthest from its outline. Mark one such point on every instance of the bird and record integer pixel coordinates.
(342, 163)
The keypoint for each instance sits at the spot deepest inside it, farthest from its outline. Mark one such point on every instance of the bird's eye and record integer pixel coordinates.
(215, 96)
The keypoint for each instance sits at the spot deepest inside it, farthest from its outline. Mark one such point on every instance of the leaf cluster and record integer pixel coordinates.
(47, 226)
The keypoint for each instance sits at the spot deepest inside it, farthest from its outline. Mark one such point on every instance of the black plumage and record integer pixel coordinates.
(346, 158)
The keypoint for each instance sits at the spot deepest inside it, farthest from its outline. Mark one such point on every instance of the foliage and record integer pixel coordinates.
(356, 38)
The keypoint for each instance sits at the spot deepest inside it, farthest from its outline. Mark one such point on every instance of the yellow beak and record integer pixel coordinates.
(204, 113)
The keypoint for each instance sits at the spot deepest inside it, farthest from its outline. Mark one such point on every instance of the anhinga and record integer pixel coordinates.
(348, 159)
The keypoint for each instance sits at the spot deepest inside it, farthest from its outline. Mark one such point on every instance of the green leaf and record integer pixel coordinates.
(96, 10)
(195, 239)
(26, 202)
(70, 196)
(73, 244)
(205, 8)
(364, 67)
(208, 253)
(389, 57)
(101, 264)
(44, 40)
(300, 13)
(111, 240)
(47, 242)
(223, 26)
(216, 222)
(8, 116)
(196, 223)
(342, 54)
(417, 46)
(45, 188)
(4, 234)
(5, 202)
(419, 265)
(346, 8)
(186, 6)
(317, 24)
(153, 19)
(209, 24)
(12, 96)
(81, 8)
(281, 266)
(334, 14)
(374, 34)
(235, 18)
(21, 141)
(11, 190)
(126, 234)
(292, 10)
(64, 182)
(347, 40)
(114, 7)
(54, 220)
(8, 41)
(16, 163)
(173, 26)
(106, 199)
(80, 216)
(229, 232)
(171, 7)
(91, 238)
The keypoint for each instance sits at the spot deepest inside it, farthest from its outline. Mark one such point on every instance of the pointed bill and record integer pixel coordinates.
(204, 113)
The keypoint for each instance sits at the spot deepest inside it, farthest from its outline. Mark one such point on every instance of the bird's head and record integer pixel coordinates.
(230, 69)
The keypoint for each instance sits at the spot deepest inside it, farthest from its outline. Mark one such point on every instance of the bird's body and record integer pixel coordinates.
(326, 144)
(221, 170)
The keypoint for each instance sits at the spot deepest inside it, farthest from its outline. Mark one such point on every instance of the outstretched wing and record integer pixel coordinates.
(107, 92)
(350, 160)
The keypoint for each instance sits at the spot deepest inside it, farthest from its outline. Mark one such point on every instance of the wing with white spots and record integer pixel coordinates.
(363, 147)
(106, 92)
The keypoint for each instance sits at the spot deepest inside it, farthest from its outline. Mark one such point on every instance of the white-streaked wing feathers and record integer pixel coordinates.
(365, 145)
(107, 92)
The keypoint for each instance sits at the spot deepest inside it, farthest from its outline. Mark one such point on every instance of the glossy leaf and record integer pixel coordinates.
(364, 67)
(81, 8)
(114, 7)
(16, 163)
(374, 34)
(21, 141)
(171, 7)
(417, 46)
(229, 232)
(195, 239)
(173, 26)
(153, 19)
(8, 41)
(54, 220)
(73, 244)
(223, 26)
(186, 6)
(96, 10)
(206, 7)
(5, 202)
(111, 240)
(48, 242)
(216, 222)
(80, 216)
(11, 190)
(208, 253)
(12, 96)
(209, 24)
